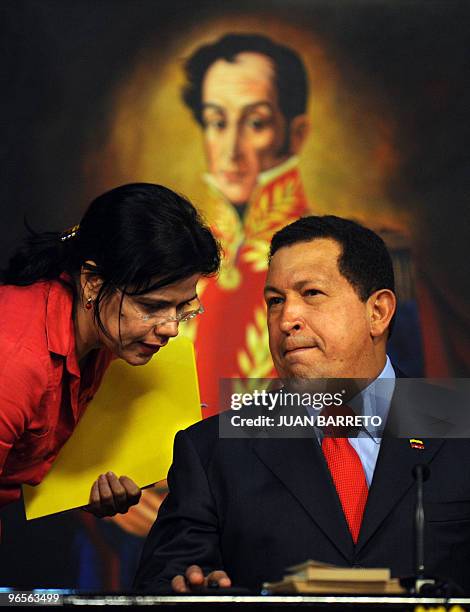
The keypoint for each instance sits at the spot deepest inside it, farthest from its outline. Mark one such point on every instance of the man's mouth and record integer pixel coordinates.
(296, 348)
(233, 176)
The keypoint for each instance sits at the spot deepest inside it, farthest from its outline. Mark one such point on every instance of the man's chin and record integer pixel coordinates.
(302, 371)
(237, 194)
(297, 373)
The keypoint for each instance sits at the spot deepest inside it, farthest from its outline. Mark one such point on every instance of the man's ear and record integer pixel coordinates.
(90, 283)
(299, 129)
(381, 308)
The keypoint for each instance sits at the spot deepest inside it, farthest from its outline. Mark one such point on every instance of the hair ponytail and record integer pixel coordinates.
(42, 256)
(138, 237)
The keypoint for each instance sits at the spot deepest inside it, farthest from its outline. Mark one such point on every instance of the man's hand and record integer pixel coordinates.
(111, 495)
(194, 579)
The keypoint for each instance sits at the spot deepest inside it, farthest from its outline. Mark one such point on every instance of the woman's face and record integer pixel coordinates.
(138, 327)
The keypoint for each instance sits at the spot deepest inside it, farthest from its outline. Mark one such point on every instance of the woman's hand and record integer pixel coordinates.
(111, 495)
(140, 518)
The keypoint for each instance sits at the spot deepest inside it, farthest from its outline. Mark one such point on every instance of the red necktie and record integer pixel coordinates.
(349, 478)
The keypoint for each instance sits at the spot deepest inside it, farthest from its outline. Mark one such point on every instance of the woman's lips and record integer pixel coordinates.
(149, 348)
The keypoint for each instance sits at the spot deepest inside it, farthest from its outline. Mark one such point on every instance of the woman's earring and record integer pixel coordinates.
(89, 303)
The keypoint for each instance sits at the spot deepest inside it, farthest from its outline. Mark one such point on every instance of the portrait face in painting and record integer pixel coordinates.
(246, 130)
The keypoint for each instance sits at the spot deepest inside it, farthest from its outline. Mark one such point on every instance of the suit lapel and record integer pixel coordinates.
(392, 479)
(300, 466)
(393, 472)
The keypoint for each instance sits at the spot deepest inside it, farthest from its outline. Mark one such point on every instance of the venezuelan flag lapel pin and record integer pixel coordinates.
(415, 443)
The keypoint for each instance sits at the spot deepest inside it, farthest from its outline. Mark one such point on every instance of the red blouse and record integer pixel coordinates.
(42, 392)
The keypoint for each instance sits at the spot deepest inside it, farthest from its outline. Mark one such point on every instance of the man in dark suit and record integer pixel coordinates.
(240, 511)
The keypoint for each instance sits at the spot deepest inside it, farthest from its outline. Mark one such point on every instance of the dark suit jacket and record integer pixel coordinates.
(253, 507)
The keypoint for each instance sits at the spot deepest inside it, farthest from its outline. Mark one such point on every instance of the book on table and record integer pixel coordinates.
(317, 577)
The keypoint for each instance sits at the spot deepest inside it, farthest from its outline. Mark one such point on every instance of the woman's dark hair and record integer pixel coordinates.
(140, 237)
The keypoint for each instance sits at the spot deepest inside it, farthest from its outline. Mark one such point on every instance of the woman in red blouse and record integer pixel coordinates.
(117, 285)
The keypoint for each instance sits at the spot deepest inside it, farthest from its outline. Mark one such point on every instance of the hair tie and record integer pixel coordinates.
(71, 232)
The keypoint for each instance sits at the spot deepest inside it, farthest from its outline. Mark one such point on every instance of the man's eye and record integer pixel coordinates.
(273, 301)
(257, 124)
(311, 292)
(215, 123)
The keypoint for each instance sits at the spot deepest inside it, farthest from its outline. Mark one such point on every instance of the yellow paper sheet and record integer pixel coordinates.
(128, 428)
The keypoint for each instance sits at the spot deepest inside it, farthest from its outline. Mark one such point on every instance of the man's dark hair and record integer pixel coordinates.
(291, 77)
(364, 261)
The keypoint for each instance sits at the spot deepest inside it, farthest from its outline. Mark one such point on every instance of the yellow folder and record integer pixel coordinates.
(128, 428)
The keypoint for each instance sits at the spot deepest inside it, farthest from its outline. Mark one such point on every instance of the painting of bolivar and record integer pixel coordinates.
(252, 100)
(259, 115)
(249, 95)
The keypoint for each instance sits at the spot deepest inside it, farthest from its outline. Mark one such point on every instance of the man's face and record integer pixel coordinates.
(318, 327)
(245, 132)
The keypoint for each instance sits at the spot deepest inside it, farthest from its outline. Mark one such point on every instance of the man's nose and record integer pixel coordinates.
(233, 142)
(291, 317)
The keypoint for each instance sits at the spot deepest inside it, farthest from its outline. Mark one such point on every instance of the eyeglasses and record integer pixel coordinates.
(154, 318)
